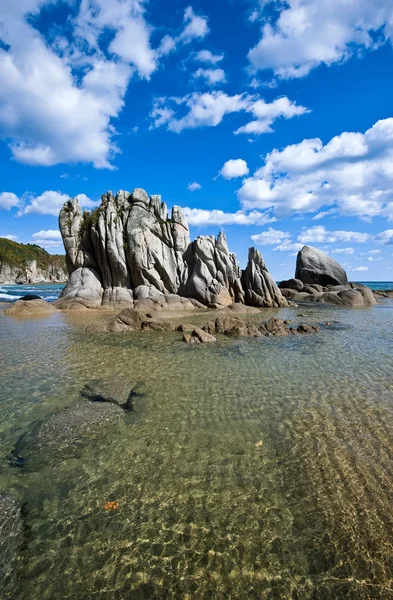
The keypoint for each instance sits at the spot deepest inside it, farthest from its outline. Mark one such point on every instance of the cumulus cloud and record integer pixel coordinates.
(343, 251)
(353, 173)
(306, 35)
(271, 237)
(212, 76)
(49, 203)
(234, 168)
(59, 97)
(8, 200)
(209, 108)
(47, 234)
(49, 238)
(193, 187)
(288, 246)
(266, 113)
(206, 56)
(196, 27)
(319, 234)
(360, 269)
(385, 237)
(201, 217)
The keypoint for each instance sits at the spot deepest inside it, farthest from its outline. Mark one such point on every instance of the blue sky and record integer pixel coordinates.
(270, 120)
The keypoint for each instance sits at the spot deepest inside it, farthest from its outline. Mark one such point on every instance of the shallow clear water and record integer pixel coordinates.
(254, 468)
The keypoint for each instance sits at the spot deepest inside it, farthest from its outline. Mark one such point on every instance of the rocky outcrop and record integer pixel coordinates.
(319, 278)
(31, 273)
(260, 287)
(29, 263)
(129, 251)
(28, 308)
(314, 266)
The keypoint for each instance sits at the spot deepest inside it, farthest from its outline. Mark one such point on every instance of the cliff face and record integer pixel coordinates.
(28, 263)
(129, 249)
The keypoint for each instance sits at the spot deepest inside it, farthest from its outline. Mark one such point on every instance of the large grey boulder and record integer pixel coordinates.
(259, 286)
(315, 267)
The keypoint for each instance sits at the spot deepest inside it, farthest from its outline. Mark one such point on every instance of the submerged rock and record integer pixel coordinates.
(22, 308)
(63, 433)
(60, 435)
(30, 297)
(11, 538)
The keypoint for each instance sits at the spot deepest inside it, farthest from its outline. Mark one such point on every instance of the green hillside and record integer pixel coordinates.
(18, 255)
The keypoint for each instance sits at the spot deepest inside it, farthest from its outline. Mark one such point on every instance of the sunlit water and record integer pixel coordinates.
(254, 468)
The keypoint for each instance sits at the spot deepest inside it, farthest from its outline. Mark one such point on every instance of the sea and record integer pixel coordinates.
(51, 292)
(252, 468)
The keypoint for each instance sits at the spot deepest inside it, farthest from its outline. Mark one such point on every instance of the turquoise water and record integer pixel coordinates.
(253, 468)
(48, 291)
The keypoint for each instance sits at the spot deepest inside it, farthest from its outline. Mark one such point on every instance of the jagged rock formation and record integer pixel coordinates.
(260, 287)
(128, 251)
(319, 278)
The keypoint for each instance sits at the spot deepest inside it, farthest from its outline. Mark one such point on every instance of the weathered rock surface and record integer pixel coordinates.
(26, 308)
(128, 251)
(314, 266)
(11, 538)
(260, 289)
(319, 278)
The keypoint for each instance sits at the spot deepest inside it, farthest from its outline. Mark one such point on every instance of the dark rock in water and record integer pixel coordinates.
(61, 434)
(11, 537)
(30, 297)
(314, 266)
(292, 284)
(99, 391)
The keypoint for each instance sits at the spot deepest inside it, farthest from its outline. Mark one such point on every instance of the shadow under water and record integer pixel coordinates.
(254, 468)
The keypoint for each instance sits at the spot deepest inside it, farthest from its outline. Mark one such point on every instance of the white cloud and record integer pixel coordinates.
(58, 97)
(271, 237)
(323, 214)
(234, 168)
(48, 234)
(307, 34)
(319, 234)
(50, 238)
(360, 269)
(288, 246)
(373, 259)
(196, 27)
(12, 238)
(212, 76)
(266, 113)
(343, 251)
(50, 203)
(208, 57)
(192, 187)
(8, 200)
(201, 217)
(353, 173)
(209, 108)
(374, 252)
(385, 237)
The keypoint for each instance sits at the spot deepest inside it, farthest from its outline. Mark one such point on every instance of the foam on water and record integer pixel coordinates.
(257, 469)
